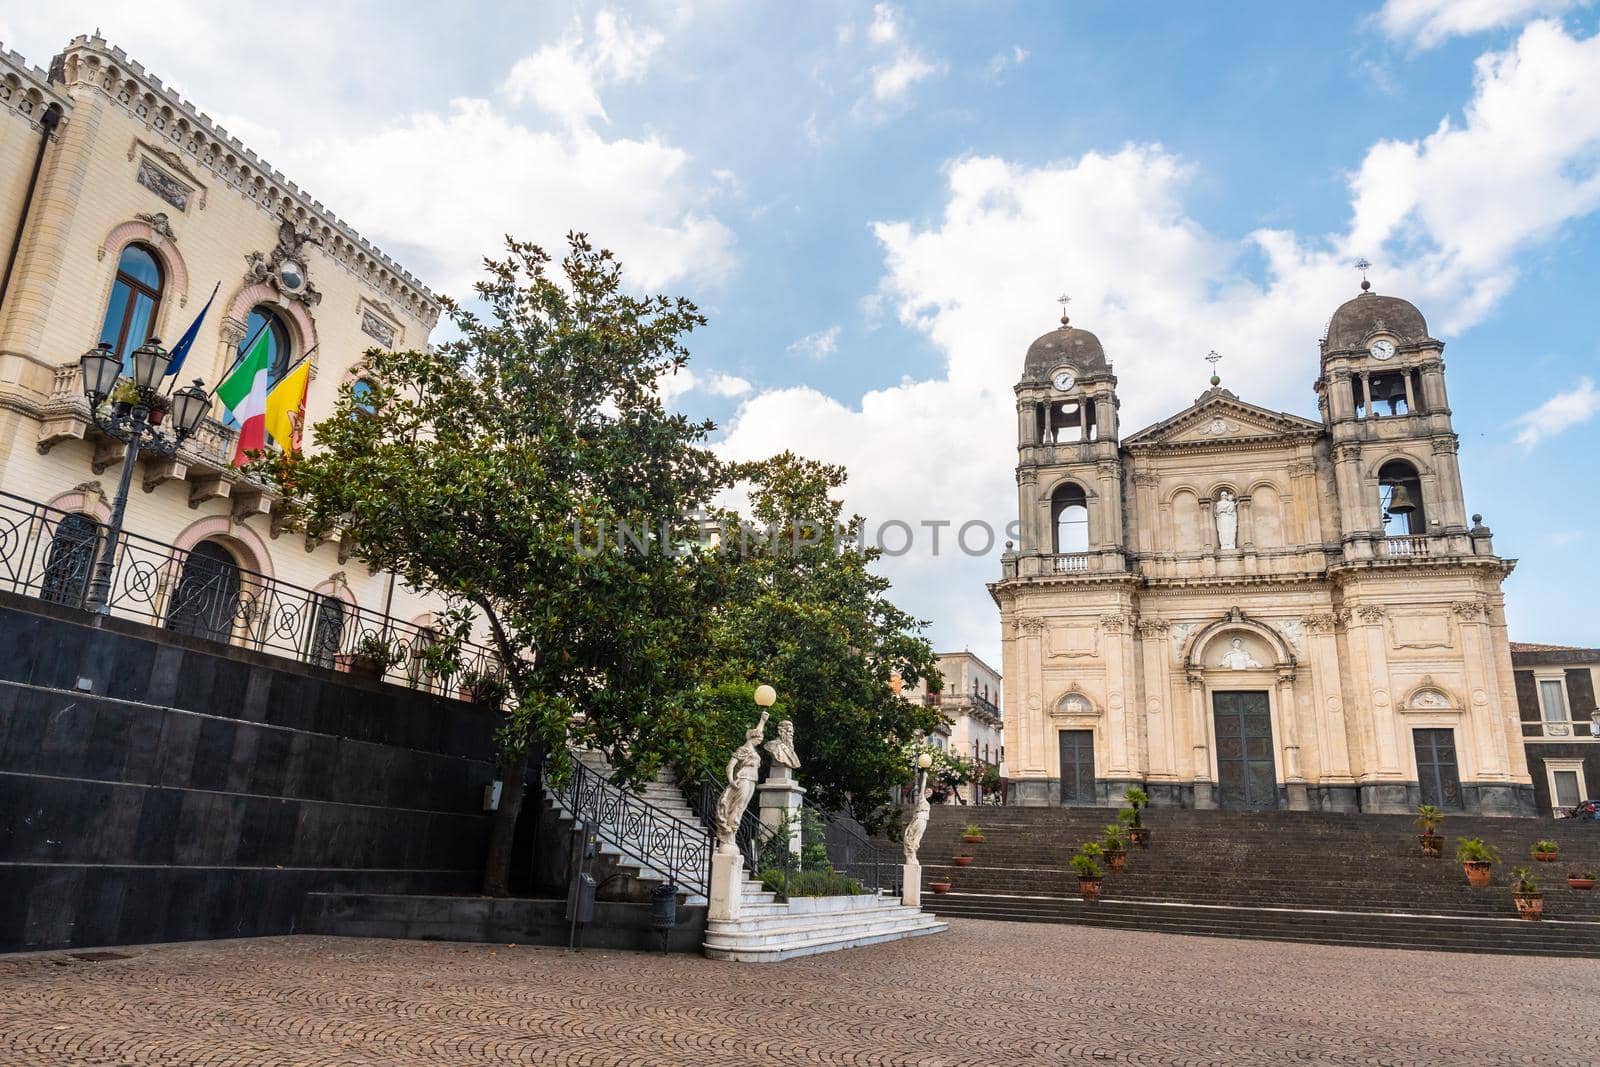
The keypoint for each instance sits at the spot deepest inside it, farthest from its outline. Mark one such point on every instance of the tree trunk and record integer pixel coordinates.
(497, 866)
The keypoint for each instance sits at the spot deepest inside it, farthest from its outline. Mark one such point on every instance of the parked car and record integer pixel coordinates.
(1584, 809)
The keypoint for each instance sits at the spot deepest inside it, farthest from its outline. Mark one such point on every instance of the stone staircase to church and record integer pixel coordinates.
(1289, 876)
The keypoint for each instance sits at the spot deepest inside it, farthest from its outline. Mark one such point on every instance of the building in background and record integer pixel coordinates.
(971, 703)
(1560, 724)
(121, 207)
(1244, 608)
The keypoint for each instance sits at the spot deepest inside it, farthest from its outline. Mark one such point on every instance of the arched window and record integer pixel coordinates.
(1069, 517)
(264, 322)
(1400, 497)
(361, 391)
(69, 560)
(135, 299)
(206, 601)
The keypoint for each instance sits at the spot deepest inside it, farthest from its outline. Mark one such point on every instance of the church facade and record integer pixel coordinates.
(1243, 608)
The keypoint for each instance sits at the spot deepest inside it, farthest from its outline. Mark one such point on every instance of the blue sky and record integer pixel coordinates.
(877, 204)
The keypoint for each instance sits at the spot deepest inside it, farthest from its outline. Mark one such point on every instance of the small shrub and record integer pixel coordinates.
(972, 829)
(1475, 850)
(1085, 864)
(1545, 846)
(1580, 870)
(1429, 818)
(1113, 838)
(827, 883)
(1523, 883)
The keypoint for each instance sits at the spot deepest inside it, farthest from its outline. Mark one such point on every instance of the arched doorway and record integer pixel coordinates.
(206, 602)
(327, 630)
(70, 560)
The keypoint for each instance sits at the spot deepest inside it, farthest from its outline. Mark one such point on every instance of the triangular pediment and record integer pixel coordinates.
(1220, 417)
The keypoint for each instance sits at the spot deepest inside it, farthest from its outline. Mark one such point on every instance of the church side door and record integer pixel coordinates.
(1077, 767)
(1246, 773)
(1437, 775)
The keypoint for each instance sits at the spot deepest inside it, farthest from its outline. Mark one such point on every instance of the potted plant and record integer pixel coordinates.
(962, 859)
(371, 657)
(1429, 819)
(1115, 849)
(158, 405)
(972, 834)
(1089, 876)
(1477, 858)
(939, 887)
(1525, 892)
(1580, 876)
(123, 396)
(991, 781)
(1546, 851)
(480, 687)
(1137, 799)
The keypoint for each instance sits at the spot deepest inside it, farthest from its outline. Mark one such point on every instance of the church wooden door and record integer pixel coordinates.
(1437, 774)
(1077, 767)
(1246, 773)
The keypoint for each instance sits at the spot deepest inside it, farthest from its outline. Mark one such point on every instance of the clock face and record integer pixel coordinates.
(1064, 380)
(1382, 349)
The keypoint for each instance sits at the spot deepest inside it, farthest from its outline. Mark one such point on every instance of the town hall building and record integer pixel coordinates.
(1242, 608)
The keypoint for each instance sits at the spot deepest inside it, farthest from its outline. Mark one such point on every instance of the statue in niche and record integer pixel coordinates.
(1238, 658)
(1227, 521)
(781, 748)
(743, 769)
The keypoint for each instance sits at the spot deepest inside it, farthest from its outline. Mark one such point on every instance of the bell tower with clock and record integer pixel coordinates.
(1069, 471)
(1382, 396)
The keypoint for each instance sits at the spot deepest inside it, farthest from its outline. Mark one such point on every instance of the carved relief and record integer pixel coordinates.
(1371, 612)
(1469, 609)
(1291, 633)
(285, 268)
(1325, 622)
(164, 185)
(1074, 703)
(158, 222)
(377, 329)
(1032, 626)
(1113, 624)
(1153, 627)
(1237, 657)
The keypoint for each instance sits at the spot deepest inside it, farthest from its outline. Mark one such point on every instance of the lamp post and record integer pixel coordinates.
(137, 412)
(924, 761)
(765, 696)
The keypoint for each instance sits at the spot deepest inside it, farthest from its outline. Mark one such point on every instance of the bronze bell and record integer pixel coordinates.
(1400, 502)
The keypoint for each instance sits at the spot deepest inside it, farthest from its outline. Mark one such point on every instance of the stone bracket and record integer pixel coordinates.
(208, 487)
(166, 470)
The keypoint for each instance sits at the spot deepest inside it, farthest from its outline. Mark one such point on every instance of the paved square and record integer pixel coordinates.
(986, 993)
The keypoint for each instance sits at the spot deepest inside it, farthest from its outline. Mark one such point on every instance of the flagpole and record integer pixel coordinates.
(238, 358)
(185, 358)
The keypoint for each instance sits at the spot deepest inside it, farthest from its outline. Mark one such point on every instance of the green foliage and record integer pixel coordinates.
(991, 779)
(824, 883)
(1128, 816)
(972, 829)
(1546, 846)
(377, 648)
(1475, 850)
(1523, 884)
(1429, 818)
(805, 613)
(1113, 838)
(948, 769)
(1135, 796)
(1085, 861)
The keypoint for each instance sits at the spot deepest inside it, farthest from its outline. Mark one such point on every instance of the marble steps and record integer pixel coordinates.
(811, 925)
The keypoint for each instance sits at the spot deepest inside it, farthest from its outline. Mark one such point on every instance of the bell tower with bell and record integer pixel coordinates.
(1382, 395)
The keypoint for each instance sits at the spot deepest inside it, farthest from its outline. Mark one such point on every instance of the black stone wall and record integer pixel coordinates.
(159, 788)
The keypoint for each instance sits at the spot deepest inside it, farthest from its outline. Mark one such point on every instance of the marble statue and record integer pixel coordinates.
(1227, 520)
(781, 748)
(743, 769)
(919, 821)
(1238, 658)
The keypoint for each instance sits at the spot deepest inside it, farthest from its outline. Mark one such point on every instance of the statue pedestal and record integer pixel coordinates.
(727, 885)
(911, 884)
(781, 797)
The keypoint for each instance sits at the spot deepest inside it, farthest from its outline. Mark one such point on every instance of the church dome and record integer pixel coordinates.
(1065, 345)
(1370, 313)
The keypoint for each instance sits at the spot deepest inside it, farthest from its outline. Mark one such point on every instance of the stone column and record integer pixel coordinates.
(1027, 508)
(1157, 758)
(780, 798)
(1202, 747)
(1247, 526)
(1294, 778)
(1411, 396)
(1116, 731)
(1472, 622)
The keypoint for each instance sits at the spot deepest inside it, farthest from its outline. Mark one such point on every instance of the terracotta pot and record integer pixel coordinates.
(464, 695)
(1116, 861)
(1089, 888)
(1529, 907)
(939, 887)
(962, 861)
(1547, 857)
(157, 416)
(1432, 845)
(972, 839)
(1478, 872)
(1139, 835)
(1580, 883)
(360, 666)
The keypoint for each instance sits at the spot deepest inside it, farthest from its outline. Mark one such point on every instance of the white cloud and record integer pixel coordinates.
(883, 30)
(1427, 23)
(684, 381)
(819, 345)
(1160, 289)
(1003, 60)
(1558, 414)
(563, 79)
(894, 66)
(891, 81)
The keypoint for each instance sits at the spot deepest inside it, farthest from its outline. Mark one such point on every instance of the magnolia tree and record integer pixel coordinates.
(487, 469)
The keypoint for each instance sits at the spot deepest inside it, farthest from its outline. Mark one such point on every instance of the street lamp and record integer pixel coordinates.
(135, 419)
(766, 696)
(924, 761)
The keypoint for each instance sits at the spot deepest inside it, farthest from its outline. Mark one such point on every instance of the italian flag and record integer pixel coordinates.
(244, 393)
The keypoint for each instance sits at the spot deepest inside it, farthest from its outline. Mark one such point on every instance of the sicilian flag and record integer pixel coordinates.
(286, 406)
(186, 342)
(244, 394)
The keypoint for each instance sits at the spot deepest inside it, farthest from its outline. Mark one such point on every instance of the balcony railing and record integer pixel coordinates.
(49, 554)
(1405, 547)
(212, 444)
(1073, 563)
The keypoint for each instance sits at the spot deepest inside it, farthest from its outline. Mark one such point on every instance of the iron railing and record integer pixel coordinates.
(638, 829)
(201, 592)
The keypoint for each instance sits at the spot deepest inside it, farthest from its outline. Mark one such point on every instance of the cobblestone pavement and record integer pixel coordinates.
(985, 993)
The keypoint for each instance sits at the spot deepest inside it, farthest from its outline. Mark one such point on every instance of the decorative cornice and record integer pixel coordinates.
(90, 64)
